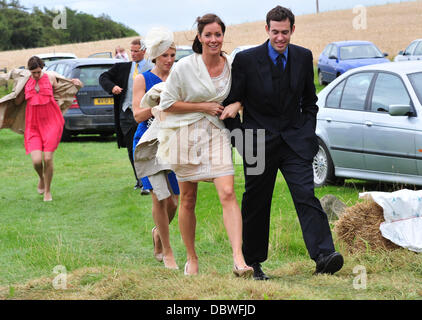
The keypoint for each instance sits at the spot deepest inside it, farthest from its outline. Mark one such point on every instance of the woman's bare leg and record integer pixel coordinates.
(161, 219)
(232, 217)
(187, 223)
(37, 162)
(48, 175)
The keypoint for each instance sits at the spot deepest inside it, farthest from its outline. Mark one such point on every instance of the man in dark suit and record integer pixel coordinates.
(275, 84)
(119, 82)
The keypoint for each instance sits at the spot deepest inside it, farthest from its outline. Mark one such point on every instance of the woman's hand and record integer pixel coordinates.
(231, 111)
(212, 108)
(77, 82)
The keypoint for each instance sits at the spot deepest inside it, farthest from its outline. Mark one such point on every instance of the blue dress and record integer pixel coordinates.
(151, 80)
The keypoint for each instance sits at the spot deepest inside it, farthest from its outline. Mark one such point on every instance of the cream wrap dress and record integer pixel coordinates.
(196, 144)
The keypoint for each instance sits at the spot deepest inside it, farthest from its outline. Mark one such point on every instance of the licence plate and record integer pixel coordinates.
(103, 101)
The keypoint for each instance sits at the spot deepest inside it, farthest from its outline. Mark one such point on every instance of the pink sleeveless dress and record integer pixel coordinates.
(43, 118)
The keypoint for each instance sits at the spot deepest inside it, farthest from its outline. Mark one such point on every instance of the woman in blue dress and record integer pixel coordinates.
(162, 50)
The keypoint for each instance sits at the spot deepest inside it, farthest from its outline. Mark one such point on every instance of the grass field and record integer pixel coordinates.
(99, 229)
(97, 232)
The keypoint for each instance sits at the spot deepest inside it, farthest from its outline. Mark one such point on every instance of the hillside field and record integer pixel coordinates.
(391, 27)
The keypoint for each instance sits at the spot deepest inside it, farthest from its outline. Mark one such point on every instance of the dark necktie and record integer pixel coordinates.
(280, 61)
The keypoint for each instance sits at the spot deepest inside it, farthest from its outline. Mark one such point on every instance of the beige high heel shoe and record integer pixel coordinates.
(168, 267)
(186, 270)
(157, 256)
(245, 272)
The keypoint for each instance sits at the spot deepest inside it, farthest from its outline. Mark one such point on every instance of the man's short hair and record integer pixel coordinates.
(280, 13)
(139, 42)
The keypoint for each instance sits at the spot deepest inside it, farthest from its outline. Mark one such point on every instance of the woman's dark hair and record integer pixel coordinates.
(202, 22)
(280, 13)
(35, 62)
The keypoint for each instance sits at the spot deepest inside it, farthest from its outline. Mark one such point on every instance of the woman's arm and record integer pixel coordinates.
(212, 108)
(139, 88)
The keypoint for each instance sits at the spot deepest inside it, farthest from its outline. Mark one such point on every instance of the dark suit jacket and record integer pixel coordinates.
(117, 75)
(252, 86)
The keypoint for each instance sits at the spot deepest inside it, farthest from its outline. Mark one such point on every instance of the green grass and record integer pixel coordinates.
(99, 229)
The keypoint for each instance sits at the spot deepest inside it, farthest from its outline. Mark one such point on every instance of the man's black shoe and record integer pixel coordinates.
(258, 274)
(329, 264)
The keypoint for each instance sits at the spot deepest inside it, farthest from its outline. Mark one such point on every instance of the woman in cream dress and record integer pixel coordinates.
(194, 141)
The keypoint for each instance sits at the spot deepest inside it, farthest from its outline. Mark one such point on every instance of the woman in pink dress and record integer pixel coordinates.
(43, 123)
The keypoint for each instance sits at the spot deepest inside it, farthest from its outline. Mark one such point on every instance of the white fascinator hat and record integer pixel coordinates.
(159, 40)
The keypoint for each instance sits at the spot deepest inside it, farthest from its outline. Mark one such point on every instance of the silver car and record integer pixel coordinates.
(369, 125)
(412, 52)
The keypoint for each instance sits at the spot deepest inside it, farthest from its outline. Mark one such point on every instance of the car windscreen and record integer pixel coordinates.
(416, 80)
(89, 75)
(180, 53)
(360, 52)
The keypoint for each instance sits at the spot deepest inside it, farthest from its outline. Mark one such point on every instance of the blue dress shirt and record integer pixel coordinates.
(274, 54)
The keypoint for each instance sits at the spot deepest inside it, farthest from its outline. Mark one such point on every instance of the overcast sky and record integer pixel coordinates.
(178, 15)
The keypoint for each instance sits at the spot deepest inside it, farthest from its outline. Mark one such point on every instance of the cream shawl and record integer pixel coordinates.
(189, 81)
(12, 115)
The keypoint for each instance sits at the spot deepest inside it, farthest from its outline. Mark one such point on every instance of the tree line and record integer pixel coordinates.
(22, 28)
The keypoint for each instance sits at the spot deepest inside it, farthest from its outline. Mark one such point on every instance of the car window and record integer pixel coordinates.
(89, 75)
(355, 91)
(333, 51)
(51, 67)
(60, 68)
(360, 52)
(389, 89)
(180, 53)
(327, 50)
(416, 80)
(333, 98)
(410, 48)
(418, 50)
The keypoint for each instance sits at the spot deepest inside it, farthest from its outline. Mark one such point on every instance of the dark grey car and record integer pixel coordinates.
(92, 110)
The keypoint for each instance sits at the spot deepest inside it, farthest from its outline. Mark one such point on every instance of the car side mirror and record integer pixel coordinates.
(385, 54)
(399, 109)
(401, 52)
(332, 57)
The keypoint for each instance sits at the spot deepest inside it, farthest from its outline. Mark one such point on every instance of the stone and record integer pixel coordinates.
(332, 206)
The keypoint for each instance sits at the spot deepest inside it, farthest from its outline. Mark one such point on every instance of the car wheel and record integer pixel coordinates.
(66, 135)
(323, 166)
(321, 82)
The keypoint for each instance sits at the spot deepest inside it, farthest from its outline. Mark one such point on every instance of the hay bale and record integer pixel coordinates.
(358, 227)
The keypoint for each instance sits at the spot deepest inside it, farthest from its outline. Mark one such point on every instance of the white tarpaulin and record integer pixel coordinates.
(403, 216)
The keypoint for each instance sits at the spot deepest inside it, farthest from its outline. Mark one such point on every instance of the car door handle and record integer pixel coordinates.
(368, 123)
(328, 119)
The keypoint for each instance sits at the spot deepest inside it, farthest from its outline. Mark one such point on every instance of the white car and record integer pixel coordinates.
(412, 52)
(369, 125)
(49, 58)
(240, 48)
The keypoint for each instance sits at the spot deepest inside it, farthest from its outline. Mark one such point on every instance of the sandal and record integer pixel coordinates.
(245, 272)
